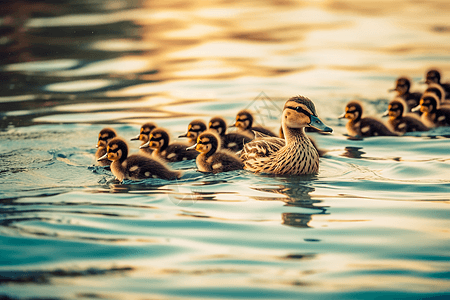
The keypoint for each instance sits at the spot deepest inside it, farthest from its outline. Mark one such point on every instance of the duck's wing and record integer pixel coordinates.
(143, 167)
(262, 147)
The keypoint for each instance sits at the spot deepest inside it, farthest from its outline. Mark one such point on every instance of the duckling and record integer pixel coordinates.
(135, 166)
(294, 155)
(105, 135)
(432, 114)
(233, 141)
(439, 92)
(195, 128)
(402, 87)
(159, 141)
(211, 158)
(400, 123)
(143, 136)
(363, 127)
(244, 122)
(434, 76)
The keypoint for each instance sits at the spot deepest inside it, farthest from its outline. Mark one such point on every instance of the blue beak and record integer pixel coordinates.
(318, 124)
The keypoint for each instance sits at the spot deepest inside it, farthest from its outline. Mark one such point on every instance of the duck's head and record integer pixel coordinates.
(194, 129)
(117, 149)
(433, 76)
(105, 135)
(353, 111)
(145, 132)
(244, 120)
(158, 139)
(395, 109)
(429, 103)
(208, 142)
(300, 112)
(218, 124)
(437, 90)
(402, 86)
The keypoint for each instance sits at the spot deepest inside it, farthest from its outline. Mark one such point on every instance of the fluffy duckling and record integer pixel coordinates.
(293, 155)
(233, 141)
(432, 114)
(105, 135)
(159, 141)
(211, 158)
(402, 86)
(135, 166)
(195, 128)
(143, 136)
(439, 92)
(434, 76)
(363, 127)
(244, 122)
(400, 123)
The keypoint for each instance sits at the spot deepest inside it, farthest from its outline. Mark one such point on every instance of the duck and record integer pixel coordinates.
(244, 123)
(195, 128)
(434, 76)
(233, 141)
(105, 135)
(432, 114)
(363, 127)
(159, 141)
(212, 158)
(143, 136)
(439, 92)
(402, 87)
(401, 123)
(293, 155)
(136, 166)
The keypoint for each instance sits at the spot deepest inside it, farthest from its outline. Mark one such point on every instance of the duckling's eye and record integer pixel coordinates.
(351, 111)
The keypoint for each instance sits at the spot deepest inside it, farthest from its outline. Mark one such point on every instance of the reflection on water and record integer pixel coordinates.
(373, 223)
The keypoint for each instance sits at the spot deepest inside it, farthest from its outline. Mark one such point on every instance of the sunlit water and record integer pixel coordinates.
(373, 224)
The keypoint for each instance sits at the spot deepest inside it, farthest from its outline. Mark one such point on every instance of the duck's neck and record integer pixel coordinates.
(293, 135)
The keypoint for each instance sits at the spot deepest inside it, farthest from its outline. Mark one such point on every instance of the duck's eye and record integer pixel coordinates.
(351, 111)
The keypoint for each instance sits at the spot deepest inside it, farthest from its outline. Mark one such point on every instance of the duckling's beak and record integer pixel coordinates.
(319, 125)
(103, 157)
(192, 147)
(417, 108)
(392, 90)
(385, 114)
(342, 116)
(232, 125)
(136, 138)
(183, 135)
(146, 145)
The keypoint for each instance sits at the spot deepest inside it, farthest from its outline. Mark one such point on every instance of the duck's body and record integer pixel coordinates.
(401, 123)
(244, 123)
(434, 76)
(363, 127)
(144, 133)
(135, 167)
(233, 141)
(293, 155)
(105, 135)
(212, 158)
(402, 87)
(195, 128)
(159, 141)
(432, 114)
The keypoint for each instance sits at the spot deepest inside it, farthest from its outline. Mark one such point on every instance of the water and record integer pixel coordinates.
(374, 223)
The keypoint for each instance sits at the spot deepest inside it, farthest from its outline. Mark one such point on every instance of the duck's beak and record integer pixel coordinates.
(183, 135)
(392, 90)
(385, 114)
(342, 116)
(136, 138)
(146, 145)
(319, 125)
(417, 108)
(103, 157)
(192, 147)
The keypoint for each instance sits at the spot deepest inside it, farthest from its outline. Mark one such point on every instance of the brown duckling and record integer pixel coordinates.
(439, 92)
(399, 122)
(143, 136)
(135, 166)
(432, 114)
(159, 141)
(293, 155)
(402, 86)
(233, 141)
(434, 76)
(212, 158)
(363, 127)
(195, 128)
(105, 135)
(244, 123)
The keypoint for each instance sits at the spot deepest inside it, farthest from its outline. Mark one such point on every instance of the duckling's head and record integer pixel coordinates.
(437, 90)
(208, 142)
(244, 120)
(145, 132)
(300, 112)
(218, 124)
(117, 149)
(395, 109)
(402, 86)
(433, 76)
(105, 135)
(429, 103)
(353, 111)
(158, 139)
(194, 129)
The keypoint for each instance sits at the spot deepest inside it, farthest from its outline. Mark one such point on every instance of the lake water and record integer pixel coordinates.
(373, 224)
